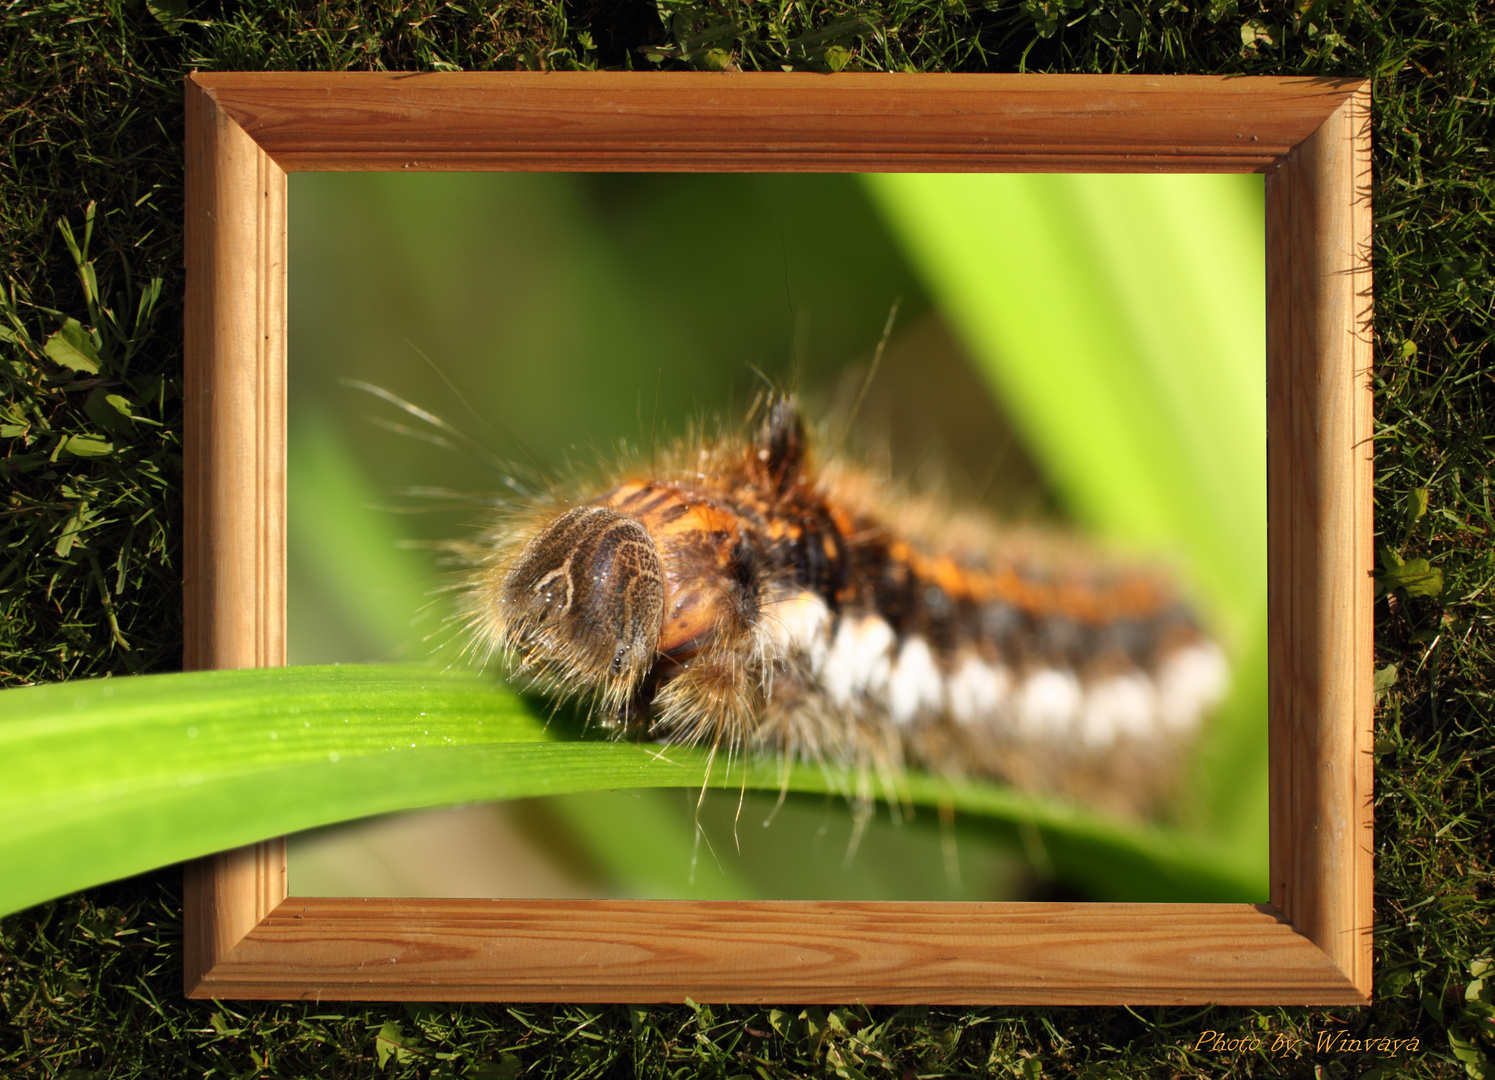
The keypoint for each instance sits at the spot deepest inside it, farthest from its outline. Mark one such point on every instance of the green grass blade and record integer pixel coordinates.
(111, 777)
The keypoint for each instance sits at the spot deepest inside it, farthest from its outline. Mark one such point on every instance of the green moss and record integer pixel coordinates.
(90, 114)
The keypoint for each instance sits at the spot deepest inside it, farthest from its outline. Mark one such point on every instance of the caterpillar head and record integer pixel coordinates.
(583, 601)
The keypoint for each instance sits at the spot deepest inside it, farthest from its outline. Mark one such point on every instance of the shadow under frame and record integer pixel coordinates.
(1311, 944)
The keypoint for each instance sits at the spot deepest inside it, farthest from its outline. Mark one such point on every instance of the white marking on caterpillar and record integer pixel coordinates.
(915, 689)
(1119, 707)
(1190, 683)
(1048, 702)
(979, 693)
(799, 624)
(860, 661)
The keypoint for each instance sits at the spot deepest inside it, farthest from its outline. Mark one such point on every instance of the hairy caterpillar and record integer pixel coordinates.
(741, 594)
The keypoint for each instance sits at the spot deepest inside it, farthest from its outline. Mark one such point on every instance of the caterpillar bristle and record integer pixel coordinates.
(737, 594)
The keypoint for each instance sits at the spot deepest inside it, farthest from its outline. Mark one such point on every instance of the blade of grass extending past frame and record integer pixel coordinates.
(111, 777)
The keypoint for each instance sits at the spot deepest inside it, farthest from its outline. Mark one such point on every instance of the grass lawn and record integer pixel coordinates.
(90, 172)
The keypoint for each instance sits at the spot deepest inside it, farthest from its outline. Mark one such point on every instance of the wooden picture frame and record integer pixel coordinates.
(246, 938)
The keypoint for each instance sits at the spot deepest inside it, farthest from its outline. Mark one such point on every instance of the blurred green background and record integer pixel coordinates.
(1076, 349)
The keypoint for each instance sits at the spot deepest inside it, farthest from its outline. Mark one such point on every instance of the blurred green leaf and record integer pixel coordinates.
(1119, 319)
(72, 347)
(1470, 1055)
(352, 555)
(72, 527)
(109, 411)
(1391, 983)
(1417, 506)
(1415, 577)
(1256, 33)
(84, 446)
(1385, 679)
(392, 1042)
(171, 14)
(507, 1067)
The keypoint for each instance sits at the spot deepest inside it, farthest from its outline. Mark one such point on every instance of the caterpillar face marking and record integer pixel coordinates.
(585, 601)
(742, 596)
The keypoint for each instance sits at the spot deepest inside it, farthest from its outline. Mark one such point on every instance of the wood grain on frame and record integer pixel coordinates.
(781, 122)
(894, 953)
(1319, 536)
(1311, 945)
(234, 451)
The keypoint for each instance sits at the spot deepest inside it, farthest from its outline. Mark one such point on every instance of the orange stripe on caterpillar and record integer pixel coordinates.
(742, 596)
